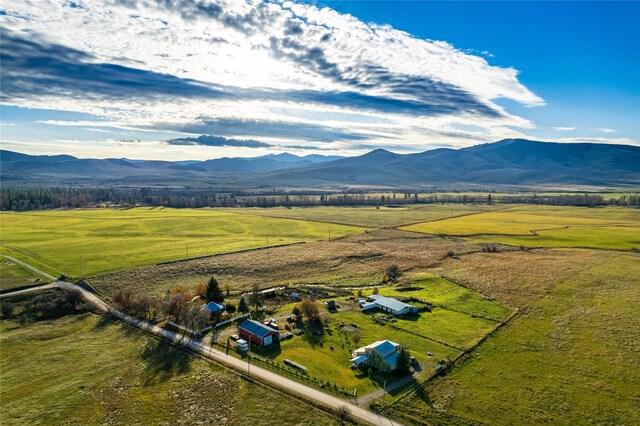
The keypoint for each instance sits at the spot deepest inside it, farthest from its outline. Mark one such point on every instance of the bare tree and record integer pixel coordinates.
(356, 336)
(255, 298)
(309, 309)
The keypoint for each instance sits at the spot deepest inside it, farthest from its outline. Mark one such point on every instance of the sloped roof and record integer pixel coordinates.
(213, 307)
(389, 303)
(255, 328)
(383, 347)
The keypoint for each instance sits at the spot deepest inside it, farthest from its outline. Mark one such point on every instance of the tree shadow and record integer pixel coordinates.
(162, 362)
(104, 322)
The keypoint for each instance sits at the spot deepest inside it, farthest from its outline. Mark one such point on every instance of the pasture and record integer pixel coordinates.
(571, 358)
(606, 227)
(84, 369)
(444, 332)
(13, 275)
(87, 242)
(372, 217)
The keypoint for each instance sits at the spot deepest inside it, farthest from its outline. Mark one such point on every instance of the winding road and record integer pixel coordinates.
(209, 353)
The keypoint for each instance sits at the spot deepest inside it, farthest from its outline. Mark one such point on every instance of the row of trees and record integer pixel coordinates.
(53, 198)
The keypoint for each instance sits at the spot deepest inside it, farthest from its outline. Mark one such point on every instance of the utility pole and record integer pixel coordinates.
(249, 358)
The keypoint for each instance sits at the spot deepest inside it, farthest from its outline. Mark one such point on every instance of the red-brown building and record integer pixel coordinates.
(258, 334)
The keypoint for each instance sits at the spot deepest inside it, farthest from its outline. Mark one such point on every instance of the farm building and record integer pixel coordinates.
(212, 307)
(258, 334)
(388, 304)
(386, 348)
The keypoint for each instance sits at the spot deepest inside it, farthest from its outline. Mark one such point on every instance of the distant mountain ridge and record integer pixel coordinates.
(510, 162)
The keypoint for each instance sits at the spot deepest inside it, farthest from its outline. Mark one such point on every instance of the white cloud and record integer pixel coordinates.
(402, 90)
(564, 129)
(605, 130)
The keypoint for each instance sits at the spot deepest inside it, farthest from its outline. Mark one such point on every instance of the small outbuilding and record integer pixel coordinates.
(259, 334)
(389, 305)
(295, 297)
(213, 307)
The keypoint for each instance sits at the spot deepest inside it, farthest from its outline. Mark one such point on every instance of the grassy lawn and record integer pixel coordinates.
(110, 239)
(441, 292)
(82, 369)
(314, 352)
(610, 227)
(372, 217)
(443, 332)
(571, 358)
(13, 275)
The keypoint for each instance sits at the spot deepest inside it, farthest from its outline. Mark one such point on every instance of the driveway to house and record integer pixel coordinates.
(300, 389)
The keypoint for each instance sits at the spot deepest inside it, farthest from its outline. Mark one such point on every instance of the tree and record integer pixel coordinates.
(176, 302)
(376, 291)
(344, 414)
(231, 308)
(356, 335)
(6, 309)
(309, 309)
(393, 272)
(227, 289)
(201, 290)
(242, 306)
(255, 298)
(360, 293)
(377, 362)
(214, 294)
(404, 359)
(298, 314)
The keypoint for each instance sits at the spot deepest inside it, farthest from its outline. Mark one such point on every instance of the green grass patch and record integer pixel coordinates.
(372, 217)
(607, 227)
(13, 275)
(571, 358)
(84, 369)
(86, 242)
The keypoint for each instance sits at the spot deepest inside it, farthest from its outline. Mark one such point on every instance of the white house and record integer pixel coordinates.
(388, 304)
(386, 348)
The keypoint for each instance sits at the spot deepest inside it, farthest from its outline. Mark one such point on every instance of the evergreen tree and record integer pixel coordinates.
(242, 306)
(214, 294)
(403, 360)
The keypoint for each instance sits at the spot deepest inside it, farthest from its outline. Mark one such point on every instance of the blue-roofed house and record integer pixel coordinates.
(213, 307)
(387, 349)
(259, 334)
(388, 304)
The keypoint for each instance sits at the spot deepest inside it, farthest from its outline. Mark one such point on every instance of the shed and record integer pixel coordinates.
(258, 334)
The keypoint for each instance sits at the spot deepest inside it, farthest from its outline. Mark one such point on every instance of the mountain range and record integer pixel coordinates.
(507, 163)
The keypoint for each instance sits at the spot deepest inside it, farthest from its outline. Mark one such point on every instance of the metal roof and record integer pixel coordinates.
(389, 303)
(213, 307)
(255, 328)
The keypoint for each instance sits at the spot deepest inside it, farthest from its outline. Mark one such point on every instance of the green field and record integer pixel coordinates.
(571, 358)
(372, 217)
(13, 275)
(334, 366)
(609, 228)
(87, 242)
(83, 369)
(444, 331)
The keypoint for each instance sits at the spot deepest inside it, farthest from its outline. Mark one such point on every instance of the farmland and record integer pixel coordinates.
(373, 217)
(356, 260)
(86, 242)
(83, 369)
(569, 354)
(572, 357)
(442, 332)
(13, 275)
(607, 228)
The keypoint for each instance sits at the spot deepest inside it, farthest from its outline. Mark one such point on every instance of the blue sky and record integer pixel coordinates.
(148, 80)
